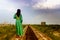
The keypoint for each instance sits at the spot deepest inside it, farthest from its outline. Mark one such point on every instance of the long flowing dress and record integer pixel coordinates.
(19, 28)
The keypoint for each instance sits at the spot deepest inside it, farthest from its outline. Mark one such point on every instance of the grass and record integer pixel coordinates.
(7, 32)
(48, 30)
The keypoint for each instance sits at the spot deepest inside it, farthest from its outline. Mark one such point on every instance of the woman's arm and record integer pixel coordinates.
(15, 16)
(21, 18)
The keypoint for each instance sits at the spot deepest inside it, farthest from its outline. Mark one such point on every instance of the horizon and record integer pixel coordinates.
(30, 24)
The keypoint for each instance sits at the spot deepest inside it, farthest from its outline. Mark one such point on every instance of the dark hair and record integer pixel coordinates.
(18, 12)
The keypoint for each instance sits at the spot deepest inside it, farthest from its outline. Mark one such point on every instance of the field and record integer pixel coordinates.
(53, 31)
(7, 31)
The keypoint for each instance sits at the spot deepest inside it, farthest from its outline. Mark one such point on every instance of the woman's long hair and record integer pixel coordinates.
(18, 12)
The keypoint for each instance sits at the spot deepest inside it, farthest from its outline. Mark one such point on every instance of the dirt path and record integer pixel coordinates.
(31, 33)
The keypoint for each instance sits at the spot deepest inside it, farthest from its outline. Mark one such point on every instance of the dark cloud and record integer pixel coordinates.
(48, 10)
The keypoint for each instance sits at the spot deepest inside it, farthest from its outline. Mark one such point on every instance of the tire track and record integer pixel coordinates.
(30, 34)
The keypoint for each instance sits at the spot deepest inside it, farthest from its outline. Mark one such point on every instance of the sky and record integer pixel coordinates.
(33, 11)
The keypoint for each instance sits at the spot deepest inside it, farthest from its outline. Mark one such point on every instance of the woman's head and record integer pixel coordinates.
(18, 12)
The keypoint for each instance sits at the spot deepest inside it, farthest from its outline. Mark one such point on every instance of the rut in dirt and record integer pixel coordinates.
(30, 34)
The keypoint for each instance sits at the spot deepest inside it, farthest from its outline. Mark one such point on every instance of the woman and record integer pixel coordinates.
(19, 28)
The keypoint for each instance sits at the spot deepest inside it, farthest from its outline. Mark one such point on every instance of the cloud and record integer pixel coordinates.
(20, 3)
(47, 11)
(6, 5)
(12, 5)
(48, 4)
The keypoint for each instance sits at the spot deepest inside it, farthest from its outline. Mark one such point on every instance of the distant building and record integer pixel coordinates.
(43, 23)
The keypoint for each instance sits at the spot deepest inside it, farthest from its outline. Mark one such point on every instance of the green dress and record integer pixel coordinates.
(19, 28)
